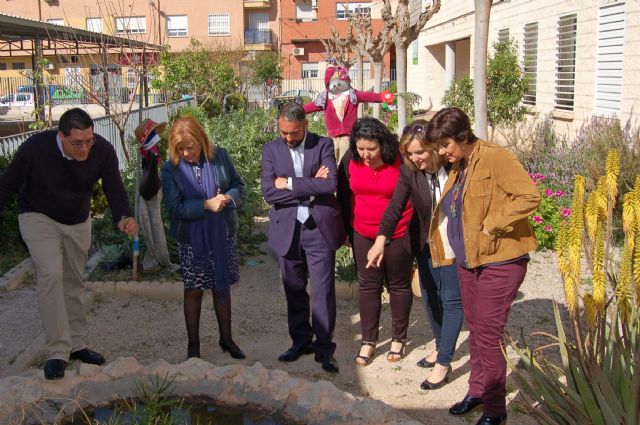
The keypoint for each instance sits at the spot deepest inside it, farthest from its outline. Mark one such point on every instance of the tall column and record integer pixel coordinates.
(449, 63)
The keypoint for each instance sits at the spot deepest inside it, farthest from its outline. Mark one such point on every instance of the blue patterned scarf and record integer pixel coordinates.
(208, 236)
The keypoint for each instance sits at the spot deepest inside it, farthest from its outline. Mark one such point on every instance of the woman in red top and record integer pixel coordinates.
(367, 178)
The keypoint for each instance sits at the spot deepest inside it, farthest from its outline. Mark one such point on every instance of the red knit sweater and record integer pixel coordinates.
(372, 190)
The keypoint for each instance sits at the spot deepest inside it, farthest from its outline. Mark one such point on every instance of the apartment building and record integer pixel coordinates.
(238, 24)
(580, 56)
(304, 23)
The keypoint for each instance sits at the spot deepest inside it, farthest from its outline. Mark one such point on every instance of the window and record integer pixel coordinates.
(55, 21)
(17, 65)
(366, 71)
(219, 24)
(94, 24)
(414, 52)
(530, 59)
(609, 59)
(305, 10)
(345, 9)
(131, 25)
(566, 62)
(3, 66)
(309, 70)
(177, 26)
(503, 35)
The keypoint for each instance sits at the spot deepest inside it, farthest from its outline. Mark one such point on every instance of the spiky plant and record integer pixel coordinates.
(598, 380)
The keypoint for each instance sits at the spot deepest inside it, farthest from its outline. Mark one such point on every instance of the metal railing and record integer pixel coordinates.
(258, 37)
(105, 127)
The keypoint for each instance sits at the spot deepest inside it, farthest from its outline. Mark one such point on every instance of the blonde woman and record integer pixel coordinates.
(201, 193)
(422, 178)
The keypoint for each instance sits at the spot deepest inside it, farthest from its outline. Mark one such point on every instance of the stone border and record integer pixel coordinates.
(14, 277)
(32, 399)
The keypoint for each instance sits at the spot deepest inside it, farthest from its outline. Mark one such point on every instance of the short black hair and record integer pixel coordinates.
(292, 111)
(74, 118)
(373, 129)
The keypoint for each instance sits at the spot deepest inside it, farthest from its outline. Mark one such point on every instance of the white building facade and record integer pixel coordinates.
(582, 57)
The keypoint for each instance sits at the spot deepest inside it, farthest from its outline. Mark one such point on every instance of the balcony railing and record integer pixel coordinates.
(257, 4)
(258, 37)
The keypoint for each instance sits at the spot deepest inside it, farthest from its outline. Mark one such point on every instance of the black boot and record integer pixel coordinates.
(222, 306)
(192, 307)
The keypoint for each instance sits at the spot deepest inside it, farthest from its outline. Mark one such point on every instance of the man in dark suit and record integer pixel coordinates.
(298, 180)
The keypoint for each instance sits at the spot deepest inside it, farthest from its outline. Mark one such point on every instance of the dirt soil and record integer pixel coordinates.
(149, 330)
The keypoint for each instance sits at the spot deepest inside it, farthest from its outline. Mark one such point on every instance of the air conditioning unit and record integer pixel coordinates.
(298, 51)
(314, 4)
(50, 65)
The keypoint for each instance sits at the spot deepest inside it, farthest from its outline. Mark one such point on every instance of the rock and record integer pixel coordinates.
(16, 391)
(161, 368)
(122, 366)
(193, 369)
(87, 370)
(373, 412)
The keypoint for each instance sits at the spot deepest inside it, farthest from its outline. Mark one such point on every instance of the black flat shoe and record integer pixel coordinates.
(54, 369)
(428, 385)
(294, 353)
(425, 363)
(465, 406)
(87, 356)
(234, 350)
(329, 364)
(498, 420)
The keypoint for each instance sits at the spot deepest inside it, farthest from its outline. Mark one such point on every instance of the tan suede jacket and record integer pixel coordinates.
(498, 195)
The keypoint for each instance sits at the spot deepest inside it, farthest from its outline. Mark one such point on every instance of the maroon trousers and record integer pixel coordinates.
(487, 294)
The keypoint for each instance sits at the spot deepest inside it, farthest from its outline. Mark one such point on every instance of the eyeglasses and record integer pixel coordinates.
(77, 144)
(417, 129)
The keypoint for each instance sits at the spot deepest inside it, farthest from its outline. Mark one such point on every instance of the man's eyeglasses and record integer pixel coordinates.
(77, 144)
(417, 129)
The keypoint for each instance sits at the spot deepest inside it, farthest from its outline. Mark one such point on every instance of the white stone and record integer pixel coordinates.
(122, 366)
(88, 370)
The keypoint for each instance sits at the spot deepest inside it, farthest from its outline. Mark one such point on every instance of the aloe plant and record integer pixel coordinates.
(598, 379)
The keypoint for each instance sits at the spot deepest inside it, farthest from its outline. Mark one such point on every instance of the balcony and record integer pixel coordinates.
(257, 4)
(258, 39)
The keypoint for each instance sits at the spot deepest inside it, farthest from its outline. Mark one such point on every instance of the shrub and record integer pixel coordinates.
(550, 213)
(12, 249)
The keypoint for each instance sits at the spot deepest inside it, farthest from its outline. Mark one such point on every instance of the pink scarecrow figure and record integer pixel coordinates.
(340, 105)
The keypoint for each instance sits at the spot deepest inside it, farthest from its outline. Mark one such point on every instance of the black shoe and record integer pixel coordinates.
(193, 350)
(233, 349)
(428, 385)
(498, 420)
(329, 364)
(87, 356)
(465, 406)
(54, 369)
(294, 353)
(425, 363)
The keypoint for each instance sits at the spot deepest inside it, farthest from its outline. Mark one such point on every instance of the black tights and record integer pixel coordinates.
(192, 307)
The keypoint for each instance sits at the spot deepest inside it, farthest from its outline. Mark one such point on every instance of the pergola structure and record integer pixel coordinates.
(21, 36)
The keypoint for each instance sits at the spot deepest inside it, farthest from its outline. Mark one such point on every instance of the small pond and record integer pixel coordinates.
(175, 412)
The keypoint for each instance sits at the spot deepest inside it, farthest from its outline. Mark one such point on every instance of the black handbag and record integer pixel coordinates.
(150, 179)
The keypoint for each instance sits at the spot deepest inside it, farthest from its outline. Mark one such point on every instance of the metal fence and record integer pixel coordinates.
(105, 127)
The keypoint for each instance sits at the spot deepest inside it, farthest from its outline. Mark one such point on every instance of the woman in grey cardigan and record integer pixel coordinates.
(201, 193)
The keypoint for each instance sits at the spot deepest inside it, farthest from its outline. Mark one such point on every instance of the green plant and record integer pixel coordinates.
(598, 379)
(12, 250)
(550, 213)
(267, 66)
(345, 266)
(506, 86)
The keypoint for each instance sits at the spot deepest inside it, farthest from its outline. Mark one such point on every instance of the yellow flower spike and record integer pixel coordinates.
(561, 248)
(598, 276)
(592, 214)
(589, 312)
(623, 289)
(635, 268)
(570, 294)
(601, 199)
(612, 171)
(574, 245)
(628, 212)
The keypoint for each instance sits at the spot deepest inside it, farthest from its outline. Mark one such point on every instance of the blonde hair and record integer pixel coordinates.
(186, 130)
(418, 130)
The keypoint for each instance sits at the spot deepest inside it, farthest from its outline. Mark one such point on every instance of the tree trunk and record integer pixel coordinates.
(359, 81)
(401, 78)
(483, 12)
(377, 85)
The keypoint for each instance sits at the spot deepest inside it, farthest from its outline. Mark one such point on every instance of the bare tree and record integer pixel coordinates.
(482, 16)
(339, 49)
(403, 33)
(373, 47)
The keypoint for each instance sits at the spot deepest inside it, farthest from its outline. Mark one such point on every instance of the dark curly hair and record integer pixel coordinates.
(372, 129)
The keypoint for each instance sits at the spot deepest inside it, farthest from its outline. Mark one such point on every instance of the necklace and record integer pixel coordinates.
(457, 188)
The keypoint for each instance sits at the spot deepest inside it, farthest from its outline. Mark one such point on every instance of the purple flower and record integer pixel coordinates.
(536, 219)
(559, 194)
(548, 228)
(566, 212)
(549, 192)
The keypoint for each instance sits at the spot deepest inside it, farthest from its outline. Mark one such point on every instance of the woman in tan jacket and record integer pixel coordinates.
(481, 224)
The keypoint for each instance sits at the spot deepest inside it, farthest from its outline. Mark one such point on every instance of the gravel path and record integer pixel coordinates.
(150, 330)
